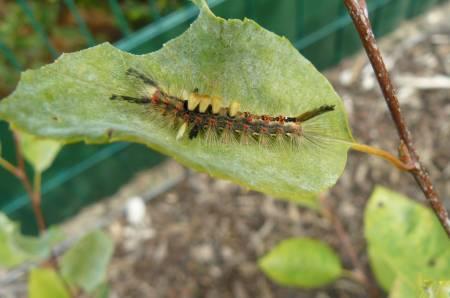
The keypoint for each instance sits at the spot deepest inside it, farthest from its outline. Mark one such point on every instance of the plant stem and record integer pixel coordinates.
(421, 176)
(359, 273)
(34, 193)
(19, 155)
(385, 155)
(36, 201)
(8, 166)
(37, 181)
(363, 5)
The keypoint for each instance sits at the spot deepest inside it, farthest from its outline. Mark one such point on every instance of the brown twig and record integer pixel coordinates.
(363, 5)
(422, 178)
(9, 167)
(32, 191)
(359, 272)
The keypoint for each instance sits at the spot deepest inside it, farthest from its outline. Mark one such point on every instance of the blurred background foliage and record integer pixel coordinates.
(62, 29)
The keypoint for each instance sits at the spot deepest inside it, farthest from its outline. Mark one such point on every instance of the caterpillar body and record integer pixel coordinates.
(199, 114)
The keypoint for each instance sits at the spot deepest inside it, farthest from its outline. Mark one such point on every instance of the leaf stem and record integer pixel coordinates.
(362, 25)
(35, 197)
(37, 183)
(383, 154)
(8, 166)
(36, 201)
(34, 193)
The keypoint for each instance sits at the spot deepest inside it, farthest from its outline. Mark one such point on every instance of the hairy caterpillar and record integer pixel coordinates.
(198, 114)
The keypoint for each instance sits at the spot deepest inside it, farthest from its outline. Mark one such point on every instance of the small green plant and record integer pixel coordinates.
(81, 269)
(233, 77)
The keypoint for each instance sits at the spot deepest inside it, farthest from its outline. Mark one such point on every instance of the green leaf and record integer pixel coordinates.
(422, 289)
(39, 152)
(405, 240)
(435, 289)
(231, 59)
(16, 248)
(85, 264)
(45, 283)
(302, 262)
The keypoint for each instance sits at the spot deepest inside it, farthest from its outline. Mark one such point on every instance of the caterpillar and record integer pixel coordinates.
(199, 114)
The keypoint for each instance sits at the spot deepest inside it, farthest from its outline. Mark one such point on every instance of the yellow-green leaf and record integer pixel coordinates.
(302, 262)
(230, 59)
(45, 283)
(16, 248)
(405, 241)
(85, 264)
(39, 152)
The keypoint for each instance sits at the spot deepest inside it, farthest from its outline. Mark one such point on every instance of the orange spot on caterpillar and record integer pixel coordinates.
(212, 122)
(179, 107)
(155, 97)
(198, 120)
(280, 119)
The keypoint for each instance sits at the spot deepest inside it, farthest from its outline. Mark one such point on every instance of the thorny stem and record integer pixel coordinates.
(421, 176)
(385, 155)
(359, 273)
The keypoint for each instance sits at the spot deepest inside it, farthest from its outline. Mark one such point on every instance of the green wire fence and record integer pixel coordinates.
(82, 174)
